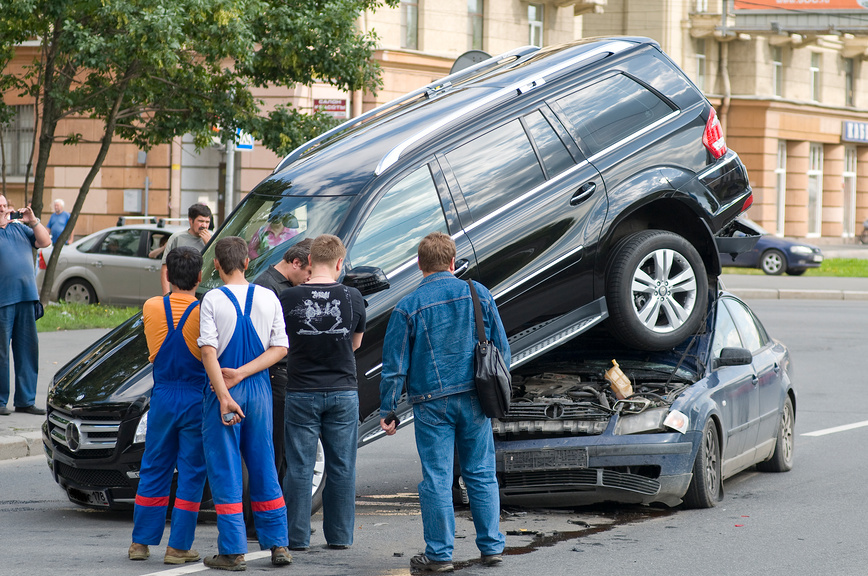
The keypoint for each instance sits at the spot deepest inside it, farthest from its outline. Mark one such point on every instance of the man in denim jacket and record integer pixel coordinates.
(429, 347)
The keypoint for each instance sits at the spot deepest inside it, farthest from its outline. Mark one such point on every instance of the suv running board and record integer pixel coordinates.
(538, 339)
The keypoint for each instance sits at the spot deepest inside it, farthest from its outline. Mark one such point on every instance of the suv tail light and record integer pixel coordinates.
(42, 265)
(712, 138)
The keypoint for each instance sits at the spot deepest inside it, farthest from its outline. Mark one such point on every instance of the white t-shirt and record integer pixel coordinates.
(217, 317)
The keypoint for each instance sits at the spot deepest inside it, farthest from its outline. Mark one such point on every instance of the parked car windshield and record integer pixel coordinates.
(270, 225)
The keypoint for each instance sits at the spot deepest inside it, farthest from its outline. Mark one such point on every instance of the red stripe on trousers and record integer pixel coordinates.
(269, 505)
(235, 508)
(152, 501)
(186, 505)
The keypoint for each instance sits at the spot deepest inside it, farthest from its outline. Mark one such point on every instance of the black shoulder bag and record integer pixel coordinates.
(493, 381)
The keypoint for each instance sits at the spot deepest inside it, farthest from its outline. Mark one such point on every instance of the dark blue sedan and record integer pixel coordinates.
(717, 404)
(774, 255)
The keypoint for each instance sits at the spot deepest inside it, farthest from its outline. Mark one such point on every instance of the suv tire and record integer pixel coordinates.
(663, 265)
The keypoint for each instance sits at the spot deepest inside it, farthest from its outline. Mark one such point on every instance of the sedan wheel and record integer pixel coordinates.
(657, 290)
(78, 291)
(705, 486)
(773, 262)
(782, 458)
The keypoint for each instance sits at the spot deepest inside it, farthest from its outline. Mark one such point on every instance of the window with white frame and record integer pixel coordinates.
(849, 175)
(815, 76)
(700, 64)
(18, 140)
(781, 186)
(535, 24)
(778, 70)
(410, 24)
(849, 82)
(702, 5)
(475, 19)
(815, 190)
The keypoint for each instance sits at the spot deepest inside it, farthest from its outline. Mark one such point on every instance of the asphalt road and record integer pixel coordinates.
(807, 521)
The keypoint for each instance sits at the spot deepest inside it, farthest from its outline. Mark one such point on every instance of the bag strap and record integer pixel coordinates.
(477, 313)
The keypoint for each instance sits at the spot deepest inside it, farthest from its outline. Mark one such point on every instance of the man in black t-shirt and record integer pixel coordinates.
(324, 321)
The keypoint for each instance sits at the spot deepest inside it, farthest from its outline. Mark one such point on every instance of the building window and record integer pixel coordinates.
(849, 82)
(475, 18)
(18, 140)
(700, 64)
(815, 190)
(849, 228)
(778, 70)
(410, 24)
(535, 22)
(815, 76)
(781, 186)
(702, 5)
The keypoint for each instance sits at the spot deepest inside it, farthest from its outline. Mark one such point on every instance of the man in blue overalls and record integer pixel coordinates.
(238, 345)
(174, 433)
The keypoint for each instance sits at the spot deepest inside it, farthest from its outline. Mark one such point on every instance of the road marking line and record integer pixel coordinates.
(198, 567)
(837, 429)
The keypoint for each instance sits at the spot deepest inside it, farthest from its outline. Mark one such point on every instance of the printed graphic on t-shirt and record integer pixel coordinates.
(321, 314)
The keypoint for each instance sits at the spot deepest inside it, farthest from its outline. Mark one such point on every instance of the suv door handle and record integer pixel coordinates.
(583, 193)
(97, 264)
(461, 267)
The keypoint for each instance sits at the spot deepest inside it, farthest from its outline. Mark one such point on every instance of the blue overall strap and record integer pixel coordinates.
(232, 299)
(170, 322)
(248, 305)
(186, 315)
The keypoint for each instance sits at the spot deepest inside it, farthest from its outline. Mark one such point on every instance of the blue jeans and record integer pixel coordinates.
(456, 421)
(18, 324)
(333, 417)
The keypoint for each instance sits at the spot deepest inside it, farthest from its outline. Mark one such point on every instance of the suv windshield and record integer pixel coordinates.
(272, 224)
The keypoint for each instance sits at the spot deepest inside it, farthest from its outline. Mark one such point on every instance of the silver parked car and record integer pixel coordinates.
(110, 266)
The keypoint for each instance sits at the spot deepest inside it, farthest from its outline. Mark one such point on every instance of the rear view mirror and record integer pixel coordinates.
(366, 279)
(733, 357)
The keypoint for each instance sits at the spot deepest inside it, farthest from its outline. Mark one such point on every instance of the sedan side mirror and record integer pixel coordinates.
(367, 279)
(733, 357)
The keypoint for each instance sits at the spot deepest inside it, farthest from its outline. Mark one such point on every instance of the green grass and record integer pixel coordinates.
(841, 267)
(63, 316)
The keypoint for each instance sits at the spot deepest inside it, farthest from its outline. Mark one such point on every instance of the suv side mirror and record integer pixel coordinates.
(367, 279)
(733, 357)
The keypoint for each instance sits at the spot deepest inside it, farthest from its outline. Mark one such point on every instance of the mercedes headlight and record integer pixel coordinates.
(141, 429)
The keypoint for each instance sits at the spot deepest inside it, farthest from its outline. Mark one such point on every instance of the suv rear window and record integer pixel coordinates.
(611, 110)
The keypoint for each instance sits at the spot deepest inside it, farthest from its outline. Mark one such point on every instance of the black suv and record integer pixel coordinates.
(580, 182)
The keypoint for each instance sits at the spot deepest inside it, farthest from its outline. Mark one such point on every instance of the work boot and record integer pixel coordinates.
(175, 556)
(138, 552)
(280, 556)
(425, 564)
(492, 560)
(232, 562)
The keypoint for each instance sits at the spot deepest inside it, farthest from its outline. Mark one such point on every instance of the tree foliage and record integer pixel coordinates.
(153, 70)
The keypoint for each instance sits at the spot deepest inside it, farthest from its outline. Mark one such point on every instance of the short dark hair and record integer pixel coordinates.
(326, 249)
(183, 265)
(197, 210)
(436, 251)
(299, 251)
(231, 252)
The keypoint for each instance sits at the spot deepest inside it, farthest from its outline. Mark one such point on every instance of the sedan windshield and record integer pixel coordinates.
(270, 225)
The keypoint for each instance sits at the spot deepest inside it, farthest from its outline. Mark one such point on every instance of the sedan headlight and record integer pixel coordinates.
(141, 429)
(803, 250)
(648, 421)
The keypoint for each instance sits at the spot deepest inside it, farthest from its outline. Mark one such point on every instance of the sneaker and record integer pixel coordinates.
(4, 411)
(232, 562)
(175, 556)
(492, 560)
(138, 552)
(280, 557)
(339, 546)
(422, 562)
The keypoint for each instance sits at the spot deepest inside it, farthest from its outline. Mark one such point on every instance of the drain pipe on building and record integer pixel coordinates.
(723, 113)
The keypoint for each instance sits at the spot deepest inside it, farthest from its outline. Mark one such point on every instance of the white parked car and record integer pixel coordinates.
(110, 266)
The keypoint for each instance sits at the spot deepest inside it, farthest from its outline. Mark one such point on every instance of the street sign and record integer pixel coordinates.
(243, 140)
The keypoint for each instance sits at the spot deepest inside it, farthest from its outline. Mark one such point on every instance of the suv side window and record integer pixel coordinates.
(611, 110)
(554, 154)
(495, 168)
(408, 212)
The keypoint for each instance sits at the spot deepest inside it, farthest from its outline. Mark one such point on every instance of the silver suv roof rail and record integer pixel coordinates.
(429, 91)
(521, 87)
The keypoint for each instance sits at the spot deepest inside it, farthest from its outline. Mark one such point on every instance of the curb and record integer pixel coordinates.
(21, 445)
(784, 294)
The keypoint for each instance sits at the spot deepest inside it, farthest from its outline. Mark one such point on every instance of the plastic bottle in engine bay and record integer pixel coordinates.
(619, 382)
